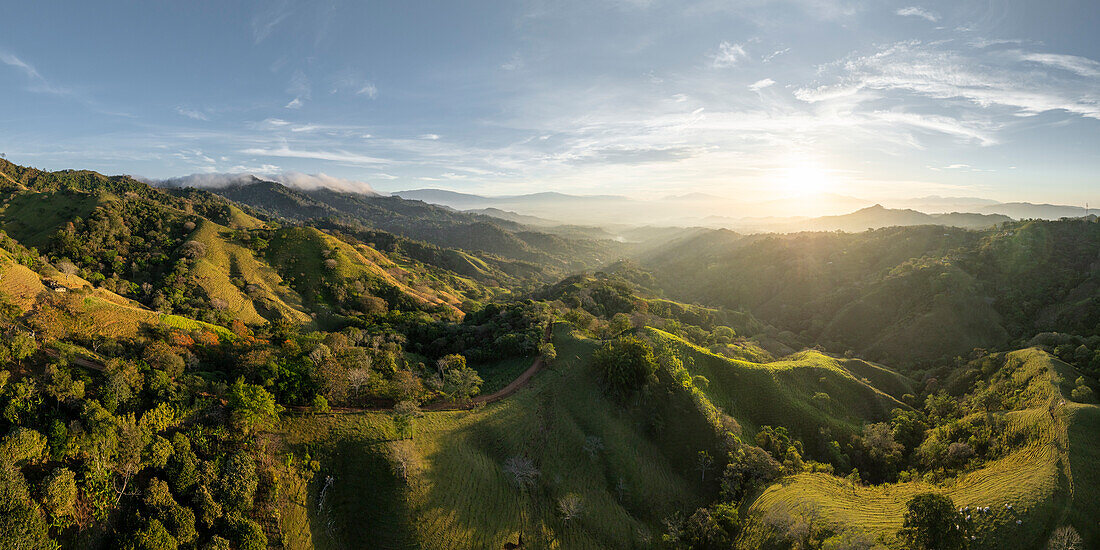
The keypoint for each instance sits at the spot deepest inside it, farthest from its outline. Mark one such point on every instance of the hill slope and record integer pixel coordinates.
(1037, 483)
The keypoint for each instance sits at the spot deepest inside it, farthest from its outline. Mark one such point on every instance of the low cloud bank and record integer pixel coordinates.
(297, 180)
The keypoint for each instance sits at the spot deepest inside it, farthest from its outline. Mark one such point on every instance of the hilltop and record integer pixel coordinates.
(908, 294)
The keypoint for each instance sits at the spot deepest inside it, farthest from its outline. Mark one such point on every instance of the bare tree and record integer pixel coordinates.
(523, 471)
(405, 458)
(357, 380)
(1065, 538)
(593, 445)
(570, 506)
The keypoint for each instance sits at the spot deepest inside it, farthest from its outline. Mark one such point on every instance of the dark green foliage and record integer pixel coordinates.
(713, 528)
(237, 482)
(249, 535)
(932, 523)
(910, 295)
(749, 467)
(22, 524)
(625, 365)
(153, 536)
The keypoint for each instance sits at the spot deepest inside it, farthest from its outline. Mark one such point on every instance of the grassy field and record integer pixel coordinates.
(461, 496)
(31, 218)
(781, 393)
(1038, 481)
(501, 373)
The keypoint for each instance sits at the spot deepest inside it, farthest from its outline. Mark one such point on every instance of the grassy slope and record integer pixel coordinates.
(225, 259)
(462, 498)
(103, 312)
(1039, 480)
(299, 253)
(781, 393)
(31, 218)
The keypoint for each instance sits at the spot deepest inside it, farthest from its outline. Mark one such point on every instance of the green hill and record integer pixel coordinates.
(1040, 484)
(461, 496)
(905, 295)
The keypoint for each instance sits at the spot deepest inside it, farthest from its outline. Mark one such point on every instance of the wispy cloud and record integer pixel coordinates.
(914, 11)
(192, 113)
(768, 58)
(264, 23)
(38, 83)
(300, 88)
(368, 90)
(761, 84)
(934, 71)
(1081, 65)
(335, 156)
(729, 55)
(352, 82)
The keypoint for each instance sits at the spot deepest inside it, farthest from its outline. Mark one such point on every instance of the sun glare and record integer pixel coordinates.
(803, 178)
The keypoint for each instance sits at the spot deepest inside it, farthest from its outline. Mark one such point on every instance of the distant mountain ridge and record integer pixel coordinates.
(704, 209)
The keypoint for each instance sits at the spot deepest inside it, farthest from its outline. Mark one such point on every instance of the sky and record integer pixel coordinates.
(750, 99)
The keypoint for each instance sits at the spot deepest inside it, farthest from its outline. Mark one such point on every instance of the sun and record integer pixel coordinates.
(803, 178)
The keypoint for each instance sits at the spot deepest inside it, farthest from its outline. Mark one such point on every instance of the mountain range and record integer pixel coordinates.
(699, 209)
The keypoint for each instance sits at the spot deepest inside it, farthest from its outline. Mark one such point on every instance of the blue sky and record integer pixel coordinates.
(744, 98)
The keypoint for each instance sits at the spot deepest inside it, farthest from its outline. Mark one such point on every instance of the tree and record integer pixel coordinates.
(548, 352)
(593, 444)
(625, 365)
(22, 446)
(252, 407)
(703, 463)
(522, 471)
(941, 407)
(448, 362)
(403, 414)
(59, 493)
(23, 345)
(152, 536)
(1065, 538)
(160, 355)
(357, 381)
(193, 249)
(931, 523)
(21, 522)
(249, 535)
(320, 404)
(570, 506)
(405, 458)
(462, 382)
(711, 528)
(238, 481)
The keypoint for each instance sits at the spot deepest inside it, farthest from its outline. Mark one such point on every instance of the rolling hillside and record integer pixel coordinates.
(1033, 489)
(907, 295)
(461, 494)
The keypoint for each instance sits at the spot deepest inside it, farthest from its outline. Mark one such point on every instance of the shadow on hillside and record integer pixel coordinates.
(365, 505)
